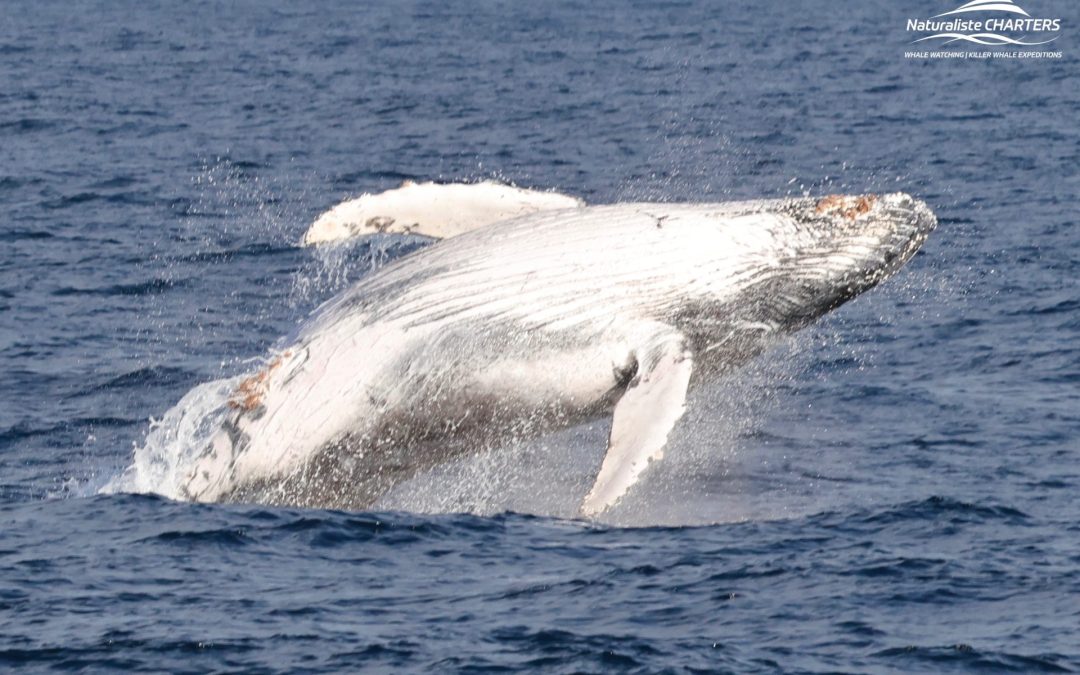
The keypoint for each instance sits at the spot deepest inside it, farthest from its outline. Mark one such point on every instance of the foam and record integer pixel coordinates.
(175, 442)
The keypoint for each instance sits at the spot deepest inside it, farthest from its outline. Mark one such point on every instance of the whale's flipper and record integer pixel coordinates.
(644, 417)
(437, 210)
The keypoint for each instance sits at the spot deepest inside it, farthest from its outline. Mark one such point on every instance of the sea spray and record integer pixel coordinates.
(175, 441)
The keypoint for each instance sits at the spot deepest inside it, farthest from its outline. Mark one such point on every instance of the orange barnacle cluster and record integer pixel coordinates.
(250, 392)
(830, 203)
(848, 207)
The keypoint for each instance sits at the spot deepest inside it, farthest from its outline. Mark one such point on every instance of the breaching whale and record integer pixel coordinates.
(525, 326)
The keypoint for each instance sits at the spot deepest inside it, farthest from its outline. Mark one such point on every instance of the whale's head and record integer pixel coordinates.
(841, 246)
(798, 259)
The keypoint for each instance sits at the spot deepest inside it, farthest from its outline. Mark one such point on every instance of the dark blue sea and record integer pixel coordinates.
(893, 490)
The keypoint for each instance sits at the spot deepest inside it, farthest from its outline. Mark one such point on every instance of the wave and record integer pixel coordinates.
(150, 287)
(140, 379)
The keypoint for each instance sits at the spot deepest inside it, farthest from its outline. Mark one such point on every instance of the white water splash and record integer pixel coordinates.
(175, 441)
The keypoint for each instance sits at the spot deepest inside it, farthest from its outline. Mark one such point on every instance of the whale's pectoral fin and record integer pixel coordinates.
(435, 210)
(644, 416)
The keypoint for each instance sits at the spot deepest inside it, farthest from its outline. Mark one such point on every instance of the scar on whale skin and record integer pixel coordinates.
(250, 392)
(846, 206)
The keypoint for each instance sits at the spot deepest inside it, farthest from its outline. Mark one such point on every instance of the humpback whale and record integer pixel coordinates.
(524, 326)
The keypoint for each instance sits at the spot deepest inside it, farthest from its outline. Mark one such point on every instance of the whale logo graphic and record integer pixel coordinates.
(987, 6)
(988, 31)
(990, 39)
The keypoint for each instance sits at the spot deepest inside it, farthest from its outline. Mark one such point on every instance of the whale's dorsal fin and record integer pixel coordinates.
(644, 416)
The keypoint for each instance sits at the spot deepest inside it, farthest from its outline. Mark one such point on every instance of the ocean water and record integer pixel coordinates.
(892, 490)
